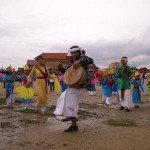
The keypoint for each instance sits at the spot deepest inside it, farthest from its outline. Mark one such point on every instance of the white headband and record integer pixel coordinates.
(73, 50)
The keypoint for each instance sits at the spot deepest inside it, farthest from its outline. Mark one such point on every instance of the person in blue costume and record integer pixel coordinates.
(107, 83)
(137, 88)
(114, 87)
(9, 80)
(25, 92)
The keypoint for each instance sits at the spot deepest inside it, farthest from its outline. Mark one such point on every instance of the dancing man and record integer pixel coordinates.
(68, 103)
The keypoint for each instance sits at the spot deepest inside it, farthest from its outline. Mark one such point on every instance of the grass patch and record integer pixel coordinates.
(121, 123)
(2, 102)
(28, 111)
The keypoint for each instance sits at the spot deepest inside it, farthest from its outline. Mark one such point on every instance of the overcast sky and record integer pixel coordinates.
(106, 29)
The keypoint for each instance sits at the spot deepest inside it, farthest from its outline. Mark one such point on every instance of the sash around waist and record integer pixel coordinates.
(136, 87)
(40, 78)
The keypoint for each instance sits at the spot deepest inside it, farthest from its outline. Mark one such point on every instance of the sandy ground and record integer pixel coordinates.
(22, 131)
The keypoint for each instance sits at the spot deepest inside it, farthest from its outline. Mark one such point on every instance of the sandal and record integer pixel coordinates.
(66, 119)
(72, 128)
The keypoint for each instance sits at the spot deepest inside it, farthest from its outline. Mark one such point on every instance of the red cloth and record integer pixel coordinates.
(99, 76)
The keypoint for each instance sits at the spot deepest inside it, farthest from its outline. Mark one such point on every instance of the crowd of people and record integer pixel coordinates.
(125, 82)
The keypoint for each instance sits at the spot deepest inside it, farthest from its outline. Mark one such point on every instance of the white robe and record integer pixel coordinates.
(68, 103)
(127, 101)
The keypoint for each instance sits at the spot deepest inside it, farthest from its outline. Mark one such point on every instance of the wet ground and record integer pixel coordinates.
(98, 127)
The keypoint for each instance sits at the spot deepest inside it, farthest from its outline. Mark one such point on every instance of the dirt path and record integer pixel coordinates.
(22, 131)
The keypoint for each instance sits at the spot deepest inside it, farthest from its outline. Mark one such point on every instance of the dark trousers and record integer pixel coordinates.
(51, 84)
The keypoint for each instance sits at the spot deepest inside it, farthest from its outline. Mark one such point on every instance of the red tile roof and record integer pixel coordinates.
(114, 64)
(31, 62)
(53, 56)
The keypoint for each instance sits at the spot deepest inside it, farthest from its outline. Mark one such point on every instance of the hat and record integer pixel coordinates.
(105, 72)
(148, 75)
(26, 67)
(9, 68)
(137, 74)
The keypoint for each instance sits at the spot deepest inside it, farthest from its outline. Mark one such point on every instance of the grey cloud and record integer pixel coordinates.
(105, 52)
(102, 51)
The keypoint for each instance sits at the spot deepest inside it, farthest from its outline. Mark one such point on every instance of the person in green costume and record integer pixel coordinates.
(148, 83)
(124, 73)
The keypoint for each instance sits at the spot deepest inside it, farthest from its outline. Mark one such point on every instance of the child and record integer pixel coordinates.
(25, 92)
(107, 83)
(94, 80)
(9, 80)
(114, 87)
(62, 70)
(137, 88)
